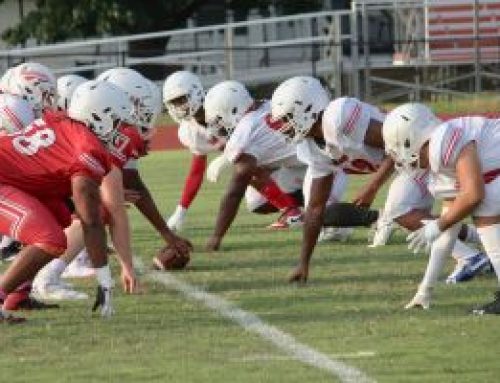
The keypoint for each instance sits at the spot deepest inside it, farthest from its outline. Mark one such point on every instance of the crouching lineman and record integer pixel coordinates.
(130, 142)
(54, 158)
(464, 150)
(345, 133)
(260, 156)
(183, 97)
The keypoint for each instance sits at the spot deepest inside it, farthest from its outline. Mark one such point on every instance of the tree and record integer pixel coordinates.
(59, 20)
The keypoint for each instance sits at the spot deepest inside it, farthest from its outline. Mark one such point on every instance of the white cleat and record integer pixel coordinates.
(56, 292)
(335, 234)
(80, 267)
(420, 300)
(382, 234)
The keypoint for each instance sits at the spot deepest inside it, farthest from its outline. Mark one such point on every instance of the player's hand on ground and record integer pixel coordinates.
(130, 282)
(181, 245)
(365, 197)
(299, 274)
(213, 244)
(103, 302)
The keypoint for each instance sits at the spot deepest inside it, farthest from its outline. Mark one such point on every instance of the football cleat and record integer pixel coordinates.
(8, 318)
(382, 233)
(489, 308)
(291, 217)
(468, 270)
(335, 234)
(53, 291)
(8, 253)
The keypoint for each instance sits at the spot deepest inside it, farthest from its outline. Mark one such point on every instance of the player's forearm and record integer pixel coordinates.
(194, 180)
(119, 229)
(381, 175)
(95, 242)
(461, 208)
(149, 210)
(313, 221)
(227, 212)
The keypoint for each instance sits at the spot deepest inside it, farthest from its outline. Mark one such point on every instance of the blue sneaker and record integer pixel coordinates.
(466, 271)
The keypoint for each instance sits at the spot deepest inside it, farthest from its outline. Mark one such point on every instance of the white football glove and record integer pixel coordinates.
(215, 168)
(176, 220)
(422, 299)
(424, 237)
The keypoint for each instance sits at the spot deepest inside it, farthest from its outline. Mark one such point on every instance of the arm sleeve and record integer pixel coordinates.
(194, 180)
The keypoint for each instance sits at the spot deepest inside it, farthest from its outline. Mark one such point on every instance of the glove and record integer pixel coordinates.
(103, 301)
(176, 220)
(424, 237)
(216, 167)
(422, 299)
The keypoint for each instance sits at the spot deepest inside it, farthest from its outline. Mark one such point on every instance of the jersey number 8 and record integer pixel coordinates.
(30, 144)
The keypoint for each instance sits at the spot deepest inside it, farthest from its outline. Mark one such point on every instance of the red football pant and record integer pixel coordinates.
(30, 221)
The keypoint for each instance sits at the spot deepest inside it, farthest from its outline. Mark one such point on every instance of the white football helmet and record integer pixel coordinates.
(36, 84)
(141, 93)
(15, 113)
(101, 106)
(298, 103)
(405, 131)
(183, 84)
(66, 85)
(225, 105)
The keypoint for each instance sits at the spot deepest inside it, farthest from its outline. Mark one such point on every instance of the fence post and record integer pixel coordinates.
(477, 49)
(366, 51)
(354, 51)
(229, 46)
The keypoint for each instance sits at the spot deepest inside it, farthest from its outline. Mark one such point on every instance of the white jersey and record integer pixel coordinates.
(448, 140)
(196, 138)
(344, 124)
(254, 135)
(445, 145)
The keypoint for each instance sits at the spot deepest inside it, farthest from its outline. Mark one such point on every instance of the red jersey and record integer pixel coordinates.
(126, 145)
(42, 159)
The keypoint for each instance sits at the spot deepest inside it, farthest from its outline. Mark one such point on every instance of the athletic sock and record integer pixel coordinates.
(277, 197)
(194, 180)
(490, 238)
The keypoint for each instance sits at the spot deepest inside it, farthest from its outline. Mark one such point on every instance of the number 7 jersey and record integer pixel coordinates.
(42, 159)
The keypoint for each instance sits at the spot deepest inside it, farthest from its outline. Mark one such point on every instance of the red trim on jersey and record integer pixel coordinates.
(353, 119)
(490, 176)
(455, 137)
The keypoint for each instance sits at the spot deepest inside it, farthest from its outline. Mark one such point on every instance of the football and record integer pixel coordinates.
(168, 259)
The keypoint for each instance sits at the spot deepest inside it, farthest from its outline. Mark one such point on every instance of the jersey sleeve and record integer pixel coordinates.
(319, 164)
(239, 143)
(446, 144)
(92, 162)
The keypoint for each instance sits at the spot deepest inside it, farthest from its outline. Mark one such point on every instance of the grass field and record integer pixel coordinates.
(351, 311)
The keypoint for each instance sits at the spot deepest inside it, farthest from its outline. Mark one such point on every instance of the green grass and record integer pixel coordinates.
(352, 304)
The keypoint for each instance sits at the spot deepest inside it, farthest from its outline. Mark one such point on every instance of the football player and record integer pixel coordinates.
(183, 97)
(464, 150)
(345, 133)
(55, 158)
(130, 143)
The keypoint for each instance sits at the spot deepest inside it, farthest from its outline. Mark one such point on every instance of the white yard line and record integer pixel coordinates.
(252, 323)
